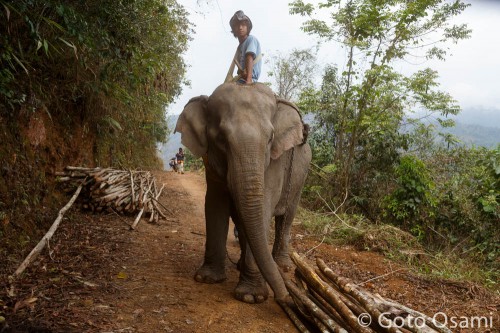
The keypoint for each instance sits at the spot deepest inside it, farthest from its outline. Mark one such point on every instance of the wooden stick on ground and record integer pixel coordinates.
(137, 219)
(45, 239)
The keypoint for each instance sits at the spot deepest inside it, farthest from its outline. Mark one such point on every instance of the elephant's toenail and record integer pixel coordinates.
(248, 299)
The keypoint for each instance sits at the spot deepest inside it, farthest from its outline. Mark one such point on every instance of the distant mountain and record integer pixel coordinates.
(489, 117)
(475, 135)
(477, 126)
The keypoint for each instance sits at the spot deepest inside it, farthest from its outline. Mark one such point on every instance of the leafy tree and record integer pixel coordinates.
(361, 111)
(293, 73)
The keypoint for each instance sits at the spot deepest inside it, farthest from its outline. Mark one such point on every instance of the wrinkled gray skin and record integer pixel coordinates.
(246, 137)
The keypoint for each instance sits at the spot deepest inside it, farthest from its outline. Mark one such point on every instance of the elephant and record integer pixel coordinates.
(256, 162)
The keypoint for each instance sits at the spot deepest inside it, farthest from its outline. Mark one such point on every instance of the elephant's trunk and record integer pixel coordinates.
(247, 186)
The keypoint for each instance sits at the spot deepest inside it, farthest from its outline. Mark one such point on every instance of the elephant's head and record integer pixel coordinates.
(241, 128)
(244, 111)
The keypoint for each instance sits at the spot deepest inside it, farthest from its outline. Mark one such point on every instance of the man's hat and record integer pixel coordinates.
(237, 18)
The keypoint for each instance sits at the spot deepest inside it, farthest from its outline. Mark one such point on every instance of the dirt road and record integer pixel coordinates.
(160, 294)
(102, 277)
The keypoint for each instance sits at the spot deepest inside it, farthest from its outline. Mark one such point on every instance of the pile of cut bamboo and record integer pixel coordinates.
(327, 302)
(123, 191)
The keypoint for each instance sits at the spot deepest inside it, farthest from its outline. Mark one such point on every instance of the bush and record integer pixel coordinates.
(412, 202)
(468, 186)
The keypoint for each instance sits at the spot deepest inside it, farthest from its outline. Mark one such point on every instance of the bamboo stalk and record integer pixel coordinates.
(132, 186)
(318, 299)
(350, 302)
(294, 318)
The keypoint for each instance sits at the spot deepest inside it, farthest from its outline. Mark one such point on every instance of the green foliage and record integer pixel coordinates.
(191, 163)
(412, 197)
(360, 113)
(112, 66)
(96, 77)
(373, 152)
(468, 189)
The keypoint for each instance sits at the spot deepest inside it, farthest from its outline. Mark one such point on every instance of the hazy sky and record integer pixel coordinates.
(471, 75)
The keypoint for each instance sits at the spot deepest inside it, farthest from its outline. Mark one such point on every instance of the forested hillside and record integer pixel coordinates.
(81, 83)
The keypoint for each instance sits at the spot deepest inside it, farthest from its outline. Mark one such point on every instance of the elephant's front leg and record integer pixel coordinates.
(217, 224)
(251, 288)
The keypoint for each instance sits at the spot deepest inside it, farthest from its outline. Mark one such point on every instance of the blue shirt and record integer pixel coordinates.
(250, 45)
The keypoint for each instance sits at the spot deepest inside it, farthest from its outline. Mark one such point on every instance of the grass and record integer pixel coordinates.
(397, 245)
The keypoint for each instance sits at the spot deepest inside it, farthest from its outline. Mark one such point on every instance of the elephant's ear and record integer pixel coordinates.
(288, 128)
(192, 125)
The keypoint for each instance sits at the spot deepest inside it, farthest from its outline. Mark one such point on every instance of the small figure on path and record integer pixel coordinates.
(173, 164)
(180, 161)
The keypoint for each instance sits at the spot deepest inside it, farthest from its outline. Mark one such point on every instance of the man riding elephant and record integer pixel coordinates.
(248, 54)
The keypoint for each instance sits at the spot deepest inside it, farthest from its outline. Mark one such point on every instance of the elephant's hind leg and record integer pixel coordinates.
(281, 242)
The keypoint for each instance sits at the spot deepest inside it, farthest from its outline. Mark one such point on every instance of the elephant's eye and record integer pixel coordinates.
(221, 141)
(271, 138)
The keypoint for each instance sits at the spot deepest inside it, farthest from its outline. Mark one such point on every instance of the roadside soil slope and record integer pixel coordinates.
(101, 277)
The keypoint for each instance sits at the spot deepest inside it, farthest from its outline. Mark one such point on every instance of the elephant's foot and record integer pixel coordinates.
(209, 274)
(251, 292)
(284, 262)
